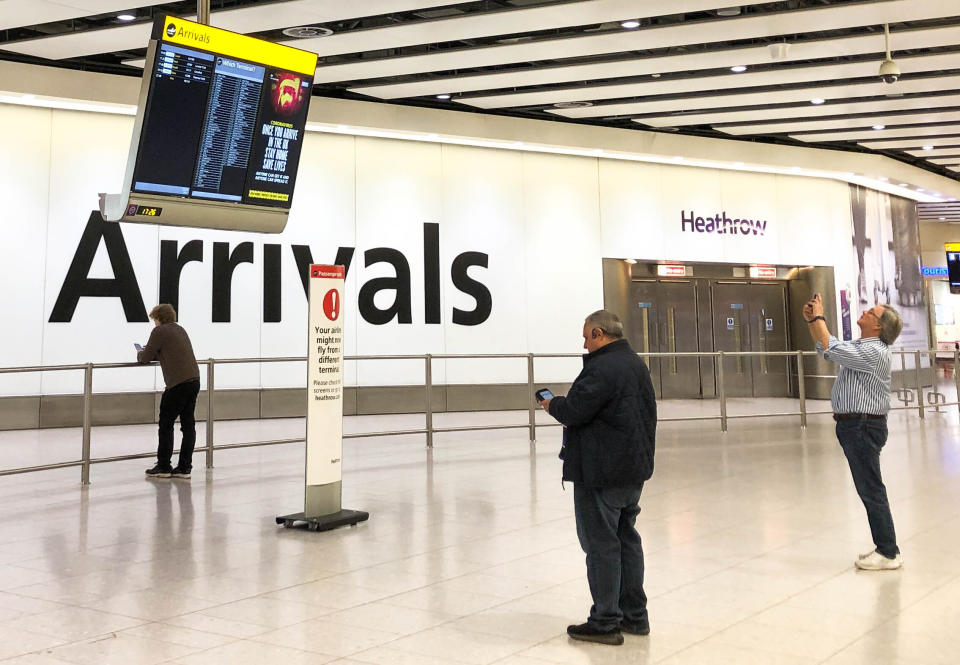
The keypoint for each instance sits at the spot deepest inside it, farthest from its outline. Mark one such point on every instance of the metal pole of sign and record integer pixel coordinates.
(428, 408)
(87, 421)
(210, 413)
(919, 384)
(532, 409)
(801, 390)
(203, 12)
(721, 393)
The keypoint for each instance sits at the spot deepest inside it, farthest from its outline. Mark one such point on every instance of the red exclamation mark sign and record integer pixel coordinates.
(331, 304)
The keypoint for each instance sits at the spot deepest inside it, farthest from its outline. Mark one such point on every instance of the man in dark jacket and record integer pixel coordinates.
(170, 344)
(610, 415)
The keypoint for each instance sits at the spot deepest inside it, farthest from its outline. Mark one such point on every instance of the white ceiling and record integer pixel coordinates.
(522, 57)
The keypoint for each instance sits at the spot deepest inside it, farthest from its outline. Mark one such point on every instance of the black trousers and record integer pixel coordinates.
(862, 440)
(180, 401)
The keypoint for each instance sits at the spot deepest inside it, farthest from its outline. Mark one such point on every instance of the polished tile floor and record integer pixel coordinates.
(470, 554)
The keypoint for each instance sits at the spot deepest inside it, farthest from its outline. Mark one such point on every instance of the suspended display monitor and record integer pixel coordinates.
(953, 265)
(218, 132)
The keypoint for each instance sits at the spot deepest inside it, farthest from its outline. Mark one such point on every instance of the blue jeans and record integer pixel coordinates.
(605, 526)
(862, 440)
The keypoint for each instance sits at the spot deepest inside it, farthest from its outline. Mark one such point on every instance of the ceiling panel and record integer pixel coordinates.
(499, 23)
(17, 13)
(912, 143)
(944, 160)
(936, 152)
(729, 81)
(811, 50)
(858, 122)
(763, 25)
(866, 136)
(808, 111)
(752, 98)
(252, 18)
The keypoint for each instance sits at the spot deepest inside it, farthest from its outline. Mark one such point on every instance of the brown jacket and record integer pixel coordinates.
(170, 345)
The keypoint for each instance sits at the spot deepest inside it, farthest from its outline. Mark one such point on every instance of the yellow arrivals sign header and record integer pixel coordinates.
(223, 42)
(952, 246)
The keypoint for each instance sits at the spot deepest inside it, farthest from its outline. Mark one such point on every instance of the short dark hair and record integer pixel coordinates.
(164, 313)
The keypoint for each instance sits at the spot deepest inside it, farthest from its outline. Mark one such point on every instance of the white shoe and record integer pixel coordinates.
(866, 554)
(876, 561)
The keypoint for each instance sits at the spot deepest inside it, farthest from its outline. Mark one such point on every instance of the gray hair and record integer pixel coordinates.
(890, 325)
(608, 322)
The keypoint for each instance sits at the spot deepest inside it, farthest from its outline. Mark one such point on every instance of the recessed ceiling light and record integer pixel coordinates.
(126, 17)
(443, 96)
(942, 219)
(656, 76)
(630, 24)
(817, 100)
(879, 127)
(903, 184)
(928, 147)
(738, 69)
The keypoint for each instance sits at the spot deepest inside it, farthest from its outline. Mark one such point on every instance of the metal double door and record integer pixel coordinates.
(751, 317)
(664, 320)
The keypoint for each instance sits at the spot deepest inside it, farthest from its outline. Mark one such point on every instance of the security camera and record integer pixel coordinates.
(889, 72)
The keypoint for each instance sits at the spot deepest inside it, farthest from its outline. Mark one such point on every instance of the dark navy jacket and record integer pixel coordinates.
(611, 418)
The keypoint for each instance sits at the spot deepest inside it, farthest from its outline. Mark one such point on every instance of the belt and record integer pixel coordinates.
(857, 416)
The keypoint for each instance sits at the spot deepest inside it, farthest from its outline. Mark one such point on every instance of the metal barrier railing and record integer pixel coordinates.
(935, 399)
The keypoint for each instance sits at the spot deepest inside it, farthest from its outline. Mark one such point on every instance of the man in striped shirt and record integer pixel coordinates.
(860, 399)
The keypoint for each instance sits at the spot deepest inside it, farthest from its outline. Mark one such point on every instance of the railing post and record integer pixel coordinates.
(956, 377)
(210, 388)
(801, 390)
(919, 384)
(87, 421)
(428, 408)
(721, 393)
(532, 408)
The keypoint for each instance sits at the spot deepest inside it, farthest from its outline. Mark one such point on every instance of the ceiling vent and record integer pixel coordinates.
(307, 31)
(572, 105)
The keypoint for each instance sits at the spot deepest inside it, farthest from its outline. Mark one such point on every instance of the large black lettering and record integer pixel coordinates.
(224, 263)
(272, 283)
(171, 266)
(77, 284)
(470, 286)
(400, 284)
(431, 273)
(303, 257)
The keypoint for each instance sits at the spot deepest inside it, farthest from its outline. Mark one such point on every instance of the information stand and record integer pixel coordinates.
(322, 509)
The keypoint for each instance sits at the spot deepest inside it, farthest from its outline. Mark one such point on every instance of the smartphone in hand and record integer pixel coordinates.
(137, 347)
(543, 394)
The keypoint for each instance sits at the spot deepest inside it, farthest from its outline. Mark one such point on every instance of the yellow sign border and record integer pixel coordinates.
(234, 45)
(952, 246)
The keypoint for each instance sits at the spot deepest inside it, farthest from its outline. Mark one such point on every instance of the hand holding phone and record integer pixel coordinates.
(137, 347)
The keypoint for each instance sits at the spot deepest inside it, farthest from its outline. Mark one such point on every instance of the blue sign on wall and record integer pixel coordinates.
(933, 271)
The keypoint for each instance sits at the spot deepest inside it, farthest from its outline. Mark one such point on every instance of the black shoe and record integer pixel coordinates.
(635, 627)
(588, 633)
(183, 474)
(159, 472)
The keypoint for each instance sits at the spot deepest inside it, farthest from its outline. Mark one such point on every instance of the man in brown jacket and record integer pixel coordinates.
(170, 345)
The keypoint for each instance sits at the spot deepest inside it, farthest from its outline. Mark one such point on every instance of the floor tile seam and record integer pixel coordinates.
(68, 643)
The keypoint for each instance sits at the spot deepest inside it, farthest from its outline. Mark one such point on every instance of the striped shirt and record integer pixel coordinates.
(863, 382)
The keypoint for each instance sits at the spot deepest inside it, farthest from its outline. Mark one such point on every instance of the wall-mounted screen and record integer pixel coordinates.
(953, 265)
(224, 116)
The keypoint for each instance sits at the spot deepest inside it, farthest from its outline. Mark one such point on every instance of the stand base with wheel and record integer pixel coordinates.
(323, 522)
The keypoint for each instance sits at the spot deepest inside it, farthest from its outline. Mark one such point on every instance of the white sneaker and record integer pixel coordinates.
(876, 561)
(866, 554)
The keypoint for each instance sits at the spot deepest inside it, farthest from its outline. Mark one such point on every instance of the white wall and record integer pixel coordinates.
(545, 221)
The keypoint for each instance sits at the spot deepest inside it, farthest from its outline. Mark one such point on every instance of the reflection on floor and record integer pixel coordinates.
(470, 554)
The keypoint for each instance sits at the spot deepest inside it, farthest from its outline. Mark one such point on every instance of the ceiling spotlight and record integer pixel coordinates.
(903, 184)
(630, 24)
(738, 69)
(817, 101)
(126, 17)
(942, 219)
(443, 97)
(729, 11)
(656, 76)
(879, 127)
(928, 147)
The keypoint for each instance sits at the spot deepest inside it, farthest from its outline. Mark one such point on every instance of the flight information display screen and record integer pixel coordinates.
(953, 265)
(224, 116)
